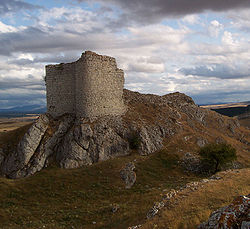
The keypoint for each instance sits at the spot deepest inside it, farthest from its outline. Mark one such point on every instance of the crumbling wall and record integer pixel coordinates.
(60, 87)
(90, 87)
(99, 86)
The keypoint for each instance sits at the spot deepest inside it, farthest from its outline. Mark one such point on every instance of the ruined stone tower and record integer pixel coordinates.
(89, 87)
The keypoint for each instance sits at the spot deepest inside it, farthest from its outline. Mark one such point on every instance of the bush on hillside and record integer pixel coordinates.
(214, 156)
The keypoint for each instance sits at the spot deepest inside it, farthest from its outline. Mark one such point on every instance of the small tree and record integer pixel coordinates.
(216, 155)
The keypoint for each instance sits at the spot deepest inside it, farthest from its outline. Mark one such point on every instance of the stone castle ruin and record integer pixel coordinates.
(92, 87)
(89, 87)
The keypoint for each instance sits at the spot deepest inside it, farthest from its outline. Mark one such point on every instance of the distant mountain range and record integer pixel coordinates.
(229, 109)
(28, 109)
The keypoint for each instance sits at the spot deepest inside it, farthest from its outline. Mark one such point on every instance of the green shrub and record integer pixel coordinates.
(214, 156)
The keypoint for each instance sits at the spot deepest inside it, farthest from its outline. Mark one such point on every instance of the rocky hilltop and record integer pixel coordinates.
(150, 123)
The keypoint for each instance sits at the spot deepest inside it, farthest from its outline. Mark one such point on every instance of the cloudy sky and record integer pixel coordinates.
(198, 47)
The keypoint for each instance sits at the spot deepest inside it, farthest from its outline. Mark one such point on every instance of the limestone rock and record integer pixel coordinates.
(106, 142)
(191, 163)
(245, 224)
(115, 208)
(151, 140)
(235, 215)
(202, 142)
(71, 154)
(48, 147)
(135, 227)
(26, 147)
(128, 175)
(74, 142)
(155, 209)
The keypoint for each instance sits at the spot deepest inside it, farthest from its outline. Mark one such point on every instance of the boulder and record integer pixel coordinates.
(191, 163)
(151, 140)
(235, 215)
(128, 175)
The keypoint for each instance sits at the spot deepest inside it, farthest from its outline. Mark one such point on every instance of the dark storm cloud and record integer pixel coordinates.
(218, 71)
(21, 41)
(9, 6)
(8, 100)
(34, 40)
(30, 83)
(47, 58)
(16, 92)
(17, 97)
(152, 11)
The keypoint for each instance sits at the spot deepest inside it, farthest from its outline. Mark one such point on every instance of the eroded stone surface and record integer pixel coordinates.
(89, 87)
(128, 175)
(231, 216)
(26, 147)
(72, 142)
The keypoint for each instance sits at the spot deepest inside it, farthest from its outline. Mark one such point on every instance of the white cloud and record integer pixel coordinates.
(215, 28)
(6, 28)
(191, 19)
(151, 55)
(227, 39)
(146, 67)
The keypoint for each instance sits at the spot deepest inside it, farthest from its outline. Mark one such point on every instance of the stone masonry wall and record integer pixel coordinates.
(90, 87)
(60, 87)
(99, 86)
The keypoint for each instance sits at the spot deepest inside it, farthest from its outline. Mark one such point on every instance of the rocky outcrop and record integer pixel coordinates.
(235, 215)
(149, 123)
(26, 148)
(128, 175)
(191, 163)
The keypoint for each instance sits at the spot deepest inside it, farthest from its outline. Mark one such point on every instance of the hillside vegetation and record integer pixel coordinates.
(83, 198)
(162, 136)
(193, 206)
(77, 198)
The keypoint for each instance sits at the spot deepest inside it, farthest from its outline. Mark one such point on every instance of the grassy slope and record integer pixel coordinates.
(58, 198)
(195, 207)
(245, 122)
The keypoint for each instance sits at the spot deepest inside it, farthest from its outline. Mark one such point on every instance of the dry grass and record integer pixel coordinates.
(245, 122)
(10, 139)
(190, 208)
(8, 124)
(58, 198)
